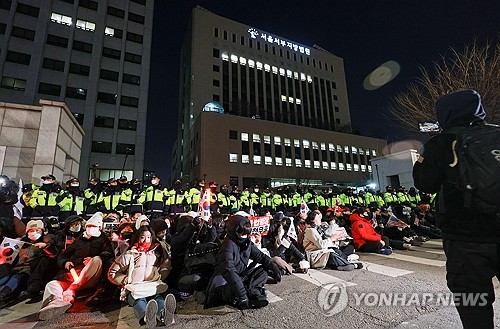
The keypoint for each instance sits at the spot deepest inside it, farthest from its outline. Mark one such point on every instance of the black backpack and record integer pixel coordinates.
(477, 156)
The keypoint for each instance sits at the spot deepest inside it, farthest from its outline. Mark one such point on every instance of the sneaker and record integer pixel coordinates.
(150, 316)
(53, 309)
(28, 294)
(422, 238)
(349, 267)
(406, 246)
(257, 300)
(169, 310)
(358, 265)
(352, 258)
(385, 251)
(416, 243)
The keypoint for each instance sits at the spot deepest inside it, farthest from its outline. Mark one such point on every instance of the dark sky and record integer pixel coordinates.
(365, 33)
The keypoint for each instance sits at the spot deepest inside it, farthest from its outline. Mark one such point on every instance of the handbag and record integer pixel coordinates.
(141, 289)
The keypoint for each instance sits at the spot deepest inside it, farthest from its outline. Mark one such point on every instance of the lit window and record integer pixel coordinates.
(315, 145)
(341, 166)
(339, 148)
(356, 167)
(298, 163)
(367, 151)
(287, 141)
(277, 140)
(290, 99)
(196, 160)
(307, 163)
(283, 98)
(309, 79)
(85, 25)
(302, 77)
(251, 63)
(256, 159)
(245, 158)
(268, 161)
(316, 165)
(374, 153)
(233, 157)
(288, 73)
(61, 19)
(361, 152)
(256, 138)
(325, 165)
(259, 66)
(109, 31)
(346, 149)
(323, 146)
(225, 56)
(282, 72)
(331, 147)
(363, 168)
(348, 166)
(296, 143)
(333, 165)
(275, 70)
(243, 61)
(369, 168)
(298, 101)
(267, 139)
(354, 150)
(296, 75)
(305, 142)
(244, 137)
(278, 161)
(267, 67)
(234, 58)
(288, 162)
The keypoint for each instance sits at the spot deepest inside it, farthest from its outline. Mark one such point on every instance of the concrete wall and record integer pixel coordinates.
(39, 140)
(397, 164)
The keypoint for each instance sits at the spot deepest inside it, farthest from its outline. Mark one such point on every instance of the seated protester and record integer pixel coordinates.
(134, 215)
(72, 230)
(112, 217)
(219, 222)
(121, 239)
(144, 266)
(34, 265)
(388, 225)
(89, 255)
(396, 228)
(141, 221)
(364, 235)
(234, 281)
(321, 250)
(160, 227)
(330, 228)
(125, 218)
(420, 224)
(190, 233)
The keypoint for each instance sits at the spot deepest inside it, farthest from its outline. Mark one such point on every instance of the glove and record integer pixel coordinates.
(275, 272)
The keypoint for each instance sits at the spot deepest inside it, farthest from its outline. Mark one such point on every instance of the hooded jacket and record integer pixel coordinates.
(432, 172)
(362, 231)
(86, 247)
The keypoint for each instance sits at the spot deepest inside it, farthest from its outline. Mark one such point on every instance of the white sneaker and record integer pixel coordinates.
(53, 309)
(169, 310)
(150, 316)
(352, 258)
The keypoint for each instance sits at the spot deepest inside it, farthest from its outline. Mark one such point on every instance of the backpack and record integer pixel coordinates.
(477, 156)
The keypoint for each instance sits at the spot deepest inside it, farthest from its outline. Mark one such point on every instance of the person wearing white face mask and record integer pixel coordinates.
(33, 267)
(90, 256)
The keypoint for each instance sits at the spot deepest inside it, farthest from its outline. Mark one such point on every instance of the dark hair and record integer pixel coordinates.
(122, 226)
(311, 216)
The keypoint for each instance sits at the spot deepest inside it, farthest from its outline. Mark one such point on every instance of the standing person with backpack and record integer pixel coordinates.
(462, 165)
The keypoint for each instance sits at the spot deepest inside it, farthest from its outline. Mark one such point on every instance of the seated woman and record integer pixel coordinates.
(140, 272)
(364, 235)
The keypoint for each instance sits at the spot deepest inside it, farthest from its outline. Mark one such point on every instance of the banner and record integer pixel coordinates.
(204, 205)
(339, 234)
(260, 224)
(9, 249)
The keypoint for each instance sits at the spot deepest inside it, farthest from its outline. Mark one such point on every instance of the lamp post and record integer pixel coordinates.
(127, 151)
(378, 178)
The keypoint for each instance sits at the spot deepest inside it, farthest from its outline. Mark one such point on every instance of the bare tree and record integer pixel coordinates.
(475, 67)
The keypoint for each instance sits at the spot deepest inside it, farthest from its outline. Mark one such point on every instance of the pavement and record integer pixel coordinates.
(411, 281)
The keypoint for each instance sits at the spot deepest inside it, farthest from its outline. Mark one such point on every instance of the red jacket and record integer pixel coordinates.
(362, 231)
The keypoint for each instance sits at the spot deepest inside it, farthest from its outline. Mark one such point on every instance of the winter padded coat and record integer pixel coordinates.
(86, 247)
(362, 231)
(317, 248)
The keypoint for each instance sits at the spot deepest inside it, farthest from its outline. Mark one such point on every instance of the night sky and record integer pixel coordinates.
(364, 33)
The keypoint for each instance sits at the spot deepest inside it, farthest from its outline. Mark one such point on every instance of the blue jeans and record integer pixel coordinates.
(139, 305)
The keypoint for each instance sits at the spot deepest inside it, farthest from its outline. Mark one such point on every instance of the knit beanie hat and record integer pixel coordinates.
(96, 220)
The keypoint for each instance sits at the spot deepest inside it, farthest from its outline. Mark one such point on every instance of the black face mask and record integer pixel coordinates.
(127, 235)
(123, 185)
(74, 189)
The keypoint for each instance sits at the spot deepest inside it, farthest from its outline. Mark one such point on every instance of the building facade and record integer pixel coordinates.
(271, 90)
(92, 55)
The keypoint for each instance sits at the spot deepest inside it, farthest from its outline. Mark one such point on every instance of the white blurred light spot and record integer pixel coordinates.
(381, 75)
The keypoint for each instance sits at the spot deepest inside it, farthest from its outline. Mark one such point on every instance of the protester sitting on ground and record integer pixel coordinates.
(234, 281)
(121, 239)
(112, 217)
(421, 225)
(399, 216)
(140, 272)
(141, 221)
(321, 251)
(72, 230)
(33, 267)
(89, 256)
(364, 235)
(160, 227)
(398, 232)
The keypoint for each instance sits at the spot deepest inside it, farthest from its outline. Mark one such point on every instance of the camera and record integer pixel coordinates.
(429, 127)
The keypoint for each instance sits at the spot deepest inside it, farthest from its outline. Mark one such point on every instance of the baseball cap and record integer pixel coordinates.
(49, 176)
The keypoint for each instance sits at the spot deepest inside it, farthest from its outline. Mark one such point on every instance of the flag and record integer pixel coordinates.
(18, 207)
(9, 249)
(291, 231)
(204, 206)
(304, 209)
(396, 222)
(252, 212)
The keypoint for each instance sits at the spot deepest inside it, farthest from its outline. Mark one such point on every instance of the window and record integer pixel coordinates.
(79, 118)
(104, 122)
(106, 98)
(216, 53)
(325, 165)
(337, 121)
(244, 137)
(374, 153)
(53, 64)
(233, 157)
(127, 124)
(133, 58)
(27, 10)
(79, 69)
(57, 41)
(134, 37)
(277, 140)
(135, 18)
(215, 98)
(333, 165)
(278, 161)
(316, 165)
(19, 58)
(288, 162)
(356, 167)
(82, 46)
(5, 4)
(88, 4)
(346, 149)
(122, 148)
(234, 38)
(101, 147)
(78, 93)
(298, 163)
(216, 32)
(141, 2)
(13, 83)
(129, 101)
(113, 32)
(233, 134)
(61, 19)
(354, 150)
(111, 53)
(131, 79)
(85, 25)
(256, 159)
(225, 35)
(19, 32)
(307, 163)
(49, 89)
(108, 75)
(216, 68)
(215, 83)
(349, 167)
(268, 161)
(245, 158)
(116, 12)
(256, 138)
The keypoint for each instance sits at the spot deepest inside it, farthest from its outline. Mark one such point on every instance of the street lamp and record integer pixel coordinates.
(127, 152)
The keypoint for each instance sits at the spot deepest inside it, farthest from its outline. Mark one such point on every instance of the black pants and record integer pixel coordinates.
(470, 267)
(374, 246)
(40, 274)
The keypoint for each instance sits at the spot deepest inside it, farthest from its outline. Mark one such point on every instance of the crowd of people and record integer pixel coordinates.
(151, 247)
